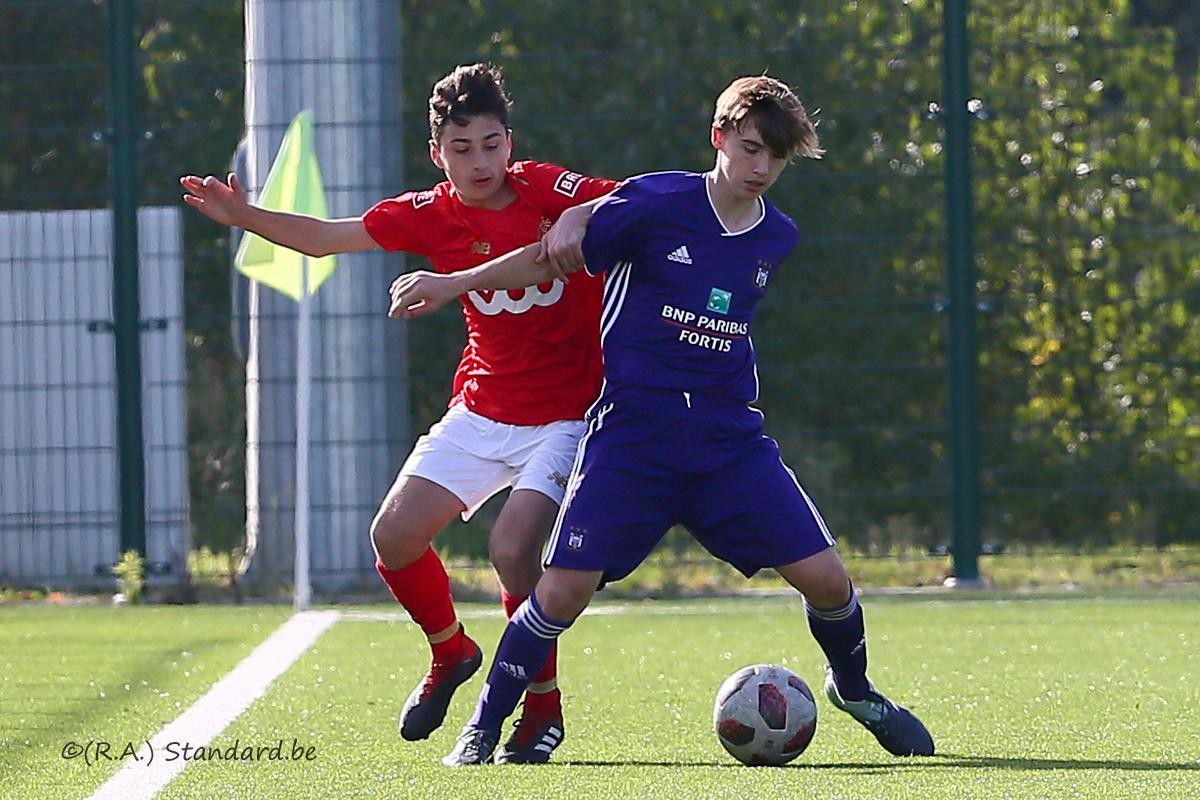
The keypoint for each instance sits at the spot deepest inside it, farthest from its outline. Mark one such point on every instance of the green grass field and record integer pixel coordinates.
(1028, 697)
(74, 674)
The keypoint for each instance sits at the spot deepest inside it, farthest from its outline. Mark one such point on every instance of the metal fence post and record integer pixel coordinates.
(960, 277)
(123, 139)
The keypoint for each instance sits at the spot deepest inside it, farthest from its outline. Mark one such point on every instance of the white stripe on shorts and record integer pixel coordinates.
(811, 506)
(596, 424)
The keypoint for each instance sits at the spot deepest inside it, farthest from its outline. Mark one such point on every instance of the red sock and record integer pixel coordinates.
(541, 704)
(511, 602)
(423, 588)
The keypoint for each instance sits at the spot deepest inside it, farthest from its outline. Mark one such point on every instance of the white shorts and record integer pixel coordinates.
(474, 457)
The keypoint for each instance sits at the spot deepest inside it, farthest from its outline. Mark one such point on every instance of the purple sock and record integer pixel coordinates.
(841, 634)
(522, 652)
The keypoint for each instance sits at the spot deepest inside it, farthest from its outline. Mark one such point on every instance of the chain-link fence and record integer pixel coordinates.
(1084, 169)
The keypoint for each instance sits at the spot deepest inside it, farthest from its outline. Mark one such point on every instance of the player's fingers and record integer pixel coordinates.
(543, 251)
(565, 260)
(557, 270)
(406, 288)
(396, 309)
(417, 310)
(569, 260)
(403, 293)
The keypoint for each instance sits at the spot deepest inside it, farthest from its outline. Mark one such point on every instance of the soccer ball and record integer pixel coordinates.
(764, 715)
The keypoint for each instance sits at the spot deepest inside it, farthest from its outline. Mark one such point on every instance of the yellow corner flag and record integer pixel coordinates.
(293, 184)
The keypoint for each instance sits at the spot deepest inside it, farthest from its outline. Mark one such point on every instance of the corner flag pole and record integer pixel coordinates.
(294, 184)
(302, 586)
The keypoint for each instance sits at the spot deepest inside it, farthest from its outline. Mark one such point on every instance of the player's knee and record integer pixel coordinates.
(398, 541)
(829, 590)
(517, 565)
(563, 595)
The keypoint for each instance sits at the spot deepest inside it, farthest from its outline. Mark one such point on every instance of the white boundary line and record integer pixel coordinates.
(222, 704)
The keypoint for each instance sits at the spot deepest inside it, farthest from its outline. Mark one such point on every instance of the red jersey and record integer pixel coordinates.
(532, 355)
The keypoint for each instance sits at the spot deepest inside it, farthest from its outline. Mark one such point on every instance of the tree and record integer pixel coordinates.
(1086, 222)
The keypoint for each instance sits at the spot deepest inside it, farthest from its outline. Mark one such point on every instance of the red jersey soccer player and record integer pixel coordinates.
(530, 369)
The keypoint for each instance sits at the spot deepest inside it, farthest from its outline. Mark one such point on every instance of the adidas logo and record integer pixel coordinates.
(680, 255)
(515, 670)
(550, 740)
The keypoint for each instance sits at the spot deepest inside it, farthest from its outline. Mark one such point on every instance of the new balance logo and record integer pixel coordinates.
(515, 670)
(680, 255)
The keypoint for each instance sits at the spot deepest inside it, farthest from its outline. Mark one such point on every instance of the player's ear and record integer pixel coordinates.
(435, 154)
(718, 138)
(508, 143)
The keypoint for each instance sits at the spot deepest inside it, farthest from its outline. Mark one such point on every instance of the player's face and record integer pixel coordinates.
(744, 162)
(474, 157)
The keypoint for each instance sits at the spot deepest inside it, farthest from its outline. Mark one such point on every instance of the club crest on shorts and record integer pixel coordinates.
(575, 538)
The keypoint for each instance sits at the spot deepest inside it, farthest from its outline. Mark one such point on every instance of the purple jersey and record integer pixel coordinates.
(681, 288)
(672, 438)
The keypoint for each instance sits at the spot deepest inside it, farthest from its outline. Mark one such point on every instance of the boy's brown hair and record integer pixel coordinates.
(471, 90)
(774, 110)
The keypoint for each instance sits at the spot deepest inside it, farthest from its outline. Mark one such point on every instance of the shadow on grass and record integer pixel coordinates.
(997, 762)
(939, 761)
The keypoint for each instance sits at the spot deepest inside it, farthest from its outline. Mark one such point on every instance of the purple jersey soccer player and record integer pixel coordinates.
(673, 438)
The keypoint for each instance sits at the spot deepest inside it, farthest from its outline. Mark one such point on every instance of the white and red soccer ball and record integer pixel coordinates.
(765, 715)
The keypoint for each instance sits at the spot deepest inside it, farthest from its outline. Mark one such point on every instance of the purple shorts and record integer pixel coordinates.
(652, 459)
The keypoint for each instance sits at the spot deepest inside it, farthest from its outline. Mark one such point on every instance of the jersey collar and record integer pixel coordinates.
(762, 214)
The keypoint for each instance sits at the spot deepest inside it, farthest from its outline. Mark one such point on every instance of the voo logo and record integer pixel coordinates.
(503, 301)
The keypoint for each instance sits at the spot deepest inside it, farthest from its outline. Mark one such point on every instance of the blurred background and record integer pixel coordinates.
(986, 341)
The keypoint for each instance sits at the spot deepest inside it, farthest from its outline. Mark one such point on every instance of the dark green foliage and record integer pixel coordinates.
(1086, 228)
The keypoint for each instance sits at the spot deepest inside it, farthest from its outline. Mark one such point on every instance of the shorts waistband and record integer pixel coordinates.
(702, 399)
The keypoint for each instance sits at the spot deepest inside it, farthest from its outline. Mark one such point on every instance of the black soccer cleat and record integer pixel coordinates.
(896, 728)
(532, 742)
(474, 746)
(425, 709)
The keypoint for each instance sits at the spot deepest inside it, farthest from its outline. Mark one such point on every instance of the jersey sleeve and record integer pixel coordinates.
(616, 228)
(557, 188)
(406, 222)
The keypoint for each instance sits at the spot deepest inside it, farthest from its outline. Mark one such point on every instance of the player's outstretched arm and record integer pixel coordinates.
(415, 294)
(562, 246)
(225, 202)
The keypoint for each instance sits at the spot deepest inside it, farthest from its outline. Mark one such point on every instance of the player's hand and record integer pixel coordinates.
(415, 294)
(561, 249)
(220, 201)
